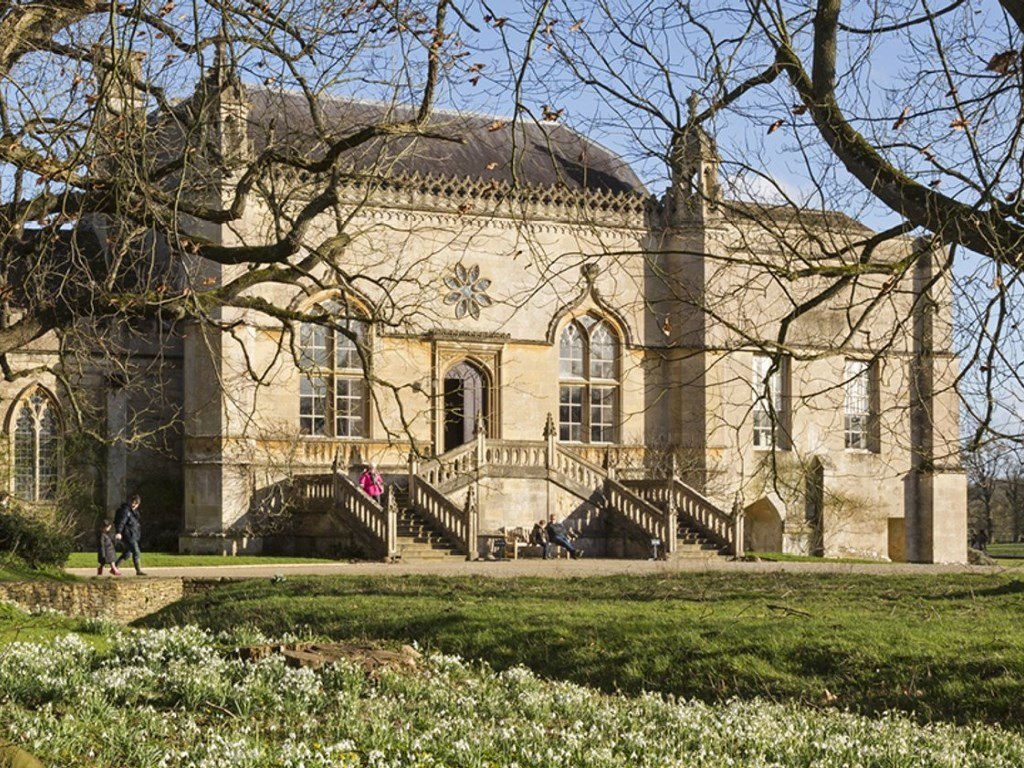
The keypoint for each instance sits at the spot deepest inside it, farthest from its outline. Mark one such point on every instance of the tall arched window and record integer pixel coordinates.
(37, 439)
(332, 388)
(588, 383)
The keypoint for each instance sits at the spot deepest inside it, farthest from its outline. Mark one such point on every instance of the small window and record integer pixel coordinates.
(570, 413)
(859, 409)
(570, 353)
(771, 418)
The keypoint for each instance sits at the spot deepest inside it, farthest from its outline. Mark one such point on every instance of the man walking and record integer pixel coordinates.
(128, 530)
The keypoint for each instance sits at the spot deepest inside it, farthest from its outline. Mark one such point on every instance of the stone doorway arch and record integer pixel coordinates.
(465, 398)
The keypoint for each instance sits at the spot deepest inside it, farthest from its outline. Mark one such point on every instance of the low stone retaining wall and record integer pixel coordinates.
(121, 600)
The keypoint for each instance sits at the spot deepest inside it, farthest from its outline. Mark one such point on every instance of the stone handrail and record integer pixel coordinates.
(380, 520)
(344, 497)
(714, 522)
(457, 525)
(450, 469)
(459, 467)
(655, 522)
(515, 453)
(314, 487)
(697, 510)
(578, 469)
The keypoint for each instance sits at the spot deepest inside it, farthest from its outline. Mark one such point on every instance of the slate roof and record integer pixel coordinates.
(545, 154)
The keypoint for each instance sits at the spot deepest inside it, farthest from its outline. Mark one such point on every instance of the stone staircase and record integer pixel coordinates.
(418, 520)
(418, 540)
(692, 544)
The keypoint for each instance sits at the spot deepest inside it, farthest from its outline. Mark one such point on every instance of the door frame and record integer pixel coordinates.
(486, 358)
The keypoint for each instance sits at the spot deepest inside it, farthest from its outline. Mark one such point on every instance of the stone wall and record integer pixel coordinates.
(121, 600)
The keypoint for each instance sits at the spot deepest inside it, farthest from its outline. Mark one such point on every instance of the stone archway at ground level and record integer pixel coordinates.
(763, 526)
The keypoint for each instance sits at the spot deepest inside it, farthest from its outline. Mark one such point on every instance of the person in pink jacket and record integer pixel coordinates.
(371, 482)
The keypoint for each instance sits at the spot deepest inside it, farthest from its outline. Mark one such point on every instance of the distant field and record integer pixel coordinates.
(1006, 550)
(165, 559)
(938, 647)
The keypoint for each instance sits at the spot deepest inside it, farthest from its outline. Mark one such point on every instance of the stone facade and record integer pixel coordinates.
(553, 339)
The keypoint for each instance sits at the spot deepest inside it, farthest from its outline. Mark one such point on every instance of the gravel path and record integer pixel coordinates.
(546, 568)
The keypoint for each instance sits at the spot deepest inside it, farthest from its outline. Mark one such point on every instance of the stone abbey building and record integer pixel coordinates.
(516, 328)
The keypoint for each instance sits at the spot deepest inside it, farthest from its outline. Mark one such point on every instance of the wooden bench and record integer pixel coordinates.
(517, 544)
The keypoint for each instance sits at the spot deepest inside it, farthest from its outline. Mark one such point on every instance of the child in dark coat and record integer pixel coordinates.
(105, 551)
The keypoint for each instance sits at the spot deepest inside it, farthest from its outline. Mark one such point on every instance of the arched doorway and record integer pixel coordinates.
(465, 397)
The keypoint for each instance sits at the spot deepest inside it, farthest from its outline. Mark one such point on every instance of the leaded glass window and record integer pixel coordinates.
(37, 442)
(588, 381)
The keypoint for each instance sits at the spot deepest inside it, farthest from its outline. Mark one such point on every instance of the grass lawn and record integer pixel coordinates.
(168, 559)
(782, 557)
(1008, 550)
(941, 647)
(13, 569)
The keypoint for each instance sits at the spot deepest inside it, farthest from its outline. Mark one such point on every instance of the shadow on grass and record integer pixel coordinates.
(863, 643)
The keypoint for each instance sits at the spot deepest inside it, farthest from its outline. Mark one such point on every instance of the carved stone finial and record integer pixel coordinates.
(549, 426)
(479, 425)
(691, 104)
(470, 506)
(589, 271)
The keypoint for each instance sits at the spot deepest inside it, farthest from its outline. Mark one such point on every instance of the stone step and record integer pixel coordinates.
(424, 543)
(412, 556)
(700, 553)
(416, 551)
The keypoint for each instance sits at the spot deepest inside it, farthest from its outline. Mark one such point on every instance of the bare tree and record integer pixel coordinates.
(1014, 496)
(121, 162)
(903, 112)
(985, 467)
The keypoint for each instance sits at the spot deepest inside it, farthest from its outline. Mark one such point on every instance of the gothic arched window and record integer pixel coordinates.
(333, 399)
(588, 383)
(37, 438)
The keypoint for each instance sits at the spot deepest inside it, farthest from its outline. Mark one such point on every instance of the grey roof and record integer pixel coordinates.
(544, 154)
